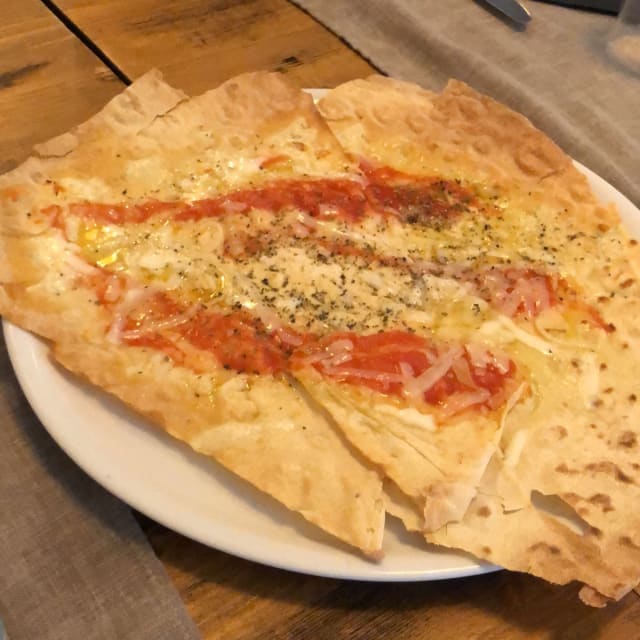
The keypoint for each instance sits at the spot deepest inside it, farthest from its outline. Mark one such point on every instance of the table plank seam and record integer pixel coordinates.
(86, 40)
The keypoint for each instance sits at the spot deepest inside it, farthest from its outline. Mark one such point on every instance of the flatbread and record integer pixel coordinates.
(148, 144)
(439, 469)
(574, 438)
(399, 302)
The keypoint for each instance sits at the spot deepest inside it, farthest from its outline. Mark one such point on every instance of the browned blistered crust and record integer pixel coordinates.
(580, 452)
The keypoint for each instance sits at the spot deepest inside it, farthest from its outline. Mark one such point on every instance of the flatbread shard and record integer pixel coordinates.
(74, 163)
(545, 538)
(262, 431)
(73, 279)
(438, 468)
(458, 132)
(572, 442)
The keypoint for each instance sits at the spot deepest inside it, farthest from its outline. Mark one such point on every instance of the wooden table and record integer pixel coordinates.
(59, 64)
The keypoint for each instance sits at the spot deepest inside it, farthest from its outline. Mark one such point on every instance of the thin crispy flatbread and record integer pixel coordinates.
(439, 469)
(176, 252)
(571, 445)
(150, 142)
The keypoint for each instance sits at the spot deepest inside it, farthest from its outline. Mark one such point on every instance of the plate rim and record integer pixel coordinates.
(28, 353)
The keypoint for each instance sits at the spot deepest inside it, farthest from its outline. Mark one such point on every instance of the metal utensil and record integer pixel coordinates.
(607, 6)
(513, 9)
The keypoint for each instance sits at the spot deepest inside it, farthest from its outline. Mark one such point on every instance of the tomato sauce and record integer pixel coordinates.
(238, 341)
(385, 362)
(160, 343)
(412, 199)
(241, 342)
(383, 192)
(527, 292)
(387, 353)
(517, 291)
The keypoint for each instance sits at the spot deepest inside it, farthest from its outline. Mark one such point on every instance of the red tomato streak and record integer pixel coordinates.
(238, 341)
(159, 343)
(241, 343)
(384, 192)
(385, 351)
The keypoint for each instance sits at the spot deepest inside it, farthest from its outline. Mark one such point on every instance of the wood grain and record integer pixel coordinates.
(49, 80)
(233, 598)
(198, 44)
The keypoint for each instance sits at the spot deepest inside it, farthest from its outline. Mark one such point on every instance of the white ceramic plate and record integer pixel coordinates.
(190, 494)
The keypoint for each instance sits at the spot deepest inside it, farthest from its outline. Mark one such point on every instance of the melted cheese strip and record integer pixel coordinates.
(317, 295)
(506, 329)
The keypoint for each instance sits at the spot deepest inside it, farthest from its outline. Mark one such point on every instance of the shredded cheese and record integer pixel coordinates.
(505, 326)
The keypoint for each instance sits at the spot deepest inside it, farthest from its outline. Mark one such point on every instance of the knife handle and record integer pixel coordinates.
(606, 6)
